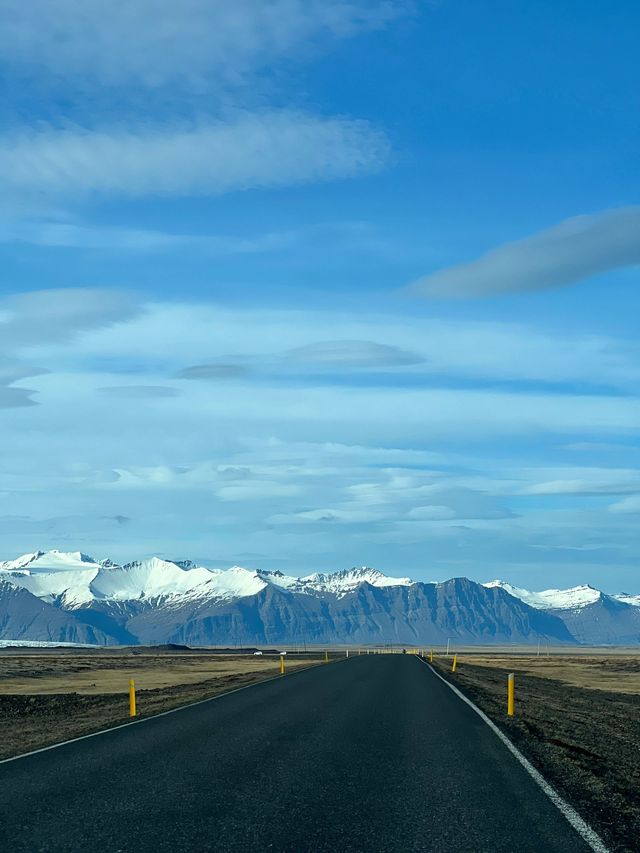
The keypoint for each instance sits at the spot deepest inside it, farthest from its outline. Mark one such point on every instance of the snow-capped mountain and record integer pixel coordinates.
(75, 579)
(72, 597)
(628, 599)
(593, 617)
(343, 582)
(551, 599)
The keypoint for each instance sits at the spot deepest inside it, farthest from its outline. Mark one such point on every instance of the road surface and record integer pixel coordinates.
(373, 753)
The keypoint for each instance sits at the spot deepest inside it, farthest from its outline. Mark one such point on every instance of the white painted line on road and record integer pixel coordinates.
(590, 836)
(160, 714)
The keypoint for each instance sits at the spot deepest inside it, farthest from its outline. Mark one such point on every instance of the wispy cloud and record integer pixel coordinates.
(352, 354)
(155, 42)
(12, 398)
(213, 371)
(270, 149)
(50, 233)
(584, 481)
(452, 350)
(627, 506)
(574, 250)
(139, 392)
(398, 499)
(10, 373)
(47, 316)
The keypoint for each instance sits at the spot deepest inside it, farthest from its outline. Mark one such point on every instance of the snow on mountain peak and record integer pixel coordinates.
(551, 599)
(236, 582)
(50, 561)
(626, 598)
(145, 579)
(346, 580)
(53, 575)
(75, 579)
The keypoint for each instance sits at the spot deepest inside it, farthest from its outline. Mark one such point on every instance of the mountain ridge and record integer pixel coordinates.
(56, 594)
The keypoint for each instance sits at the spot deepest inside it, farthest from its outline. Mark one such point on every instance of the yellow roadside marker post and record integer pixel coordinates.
(430, 655)
(326, 656)
(347, 652)
(132, 698)
(511, 695)
(455, 663)
(281, 664)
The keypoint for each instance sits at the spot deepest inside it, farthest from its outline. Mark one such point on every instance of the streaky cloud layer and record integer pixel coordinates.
(157, 42)
(270, 149)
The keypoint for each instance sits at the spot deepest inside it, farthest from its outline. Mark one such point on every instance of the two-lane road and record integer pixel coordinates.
(370, 754)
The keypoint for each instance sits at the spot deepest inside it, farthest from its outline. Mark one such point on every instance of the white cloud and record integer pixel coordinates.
(597, 447)
(583, 481)
(270, 464)
(352, 354)
(251, 490)
(270, 149)
(44, 317)
(65, 234)
(208, 336)
(431, 512)
(453, 350)
(627, 506)
(324, 516)
(139, 392)
(575, 249)
(155, 42)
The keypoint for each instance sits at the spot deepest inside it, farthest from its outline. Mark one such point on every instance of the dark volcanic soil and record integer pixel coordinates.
(30, 722)
(585, 742)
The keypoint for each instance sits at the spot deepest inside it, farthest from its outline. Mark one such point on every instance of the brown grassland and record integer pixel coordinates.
(49, 697)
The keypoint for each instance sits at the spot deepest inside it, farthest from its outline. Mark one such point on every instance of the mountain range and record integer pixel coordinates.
(61, 596)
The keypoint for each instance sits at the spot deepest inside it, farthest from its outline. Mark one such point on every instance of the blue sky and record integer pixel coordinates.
(304, 285)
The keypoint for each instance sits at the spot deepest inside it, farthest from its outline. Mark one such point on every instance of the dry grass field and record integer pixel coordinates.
(91, 675)
(47, 697)
(577, 719)
(617, 674)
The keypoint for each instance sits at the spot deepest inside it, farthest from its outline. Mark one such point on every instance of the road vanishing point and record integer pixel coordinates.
(373, 753)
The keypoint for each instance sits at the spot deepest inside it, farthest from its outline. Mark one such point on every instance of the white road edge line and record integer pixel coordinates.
(590, 836)
(160, 714)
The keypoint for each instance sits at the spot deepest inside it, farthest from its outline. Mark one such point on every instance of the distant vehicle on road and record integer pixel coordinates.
(282, 653)
(257, 653)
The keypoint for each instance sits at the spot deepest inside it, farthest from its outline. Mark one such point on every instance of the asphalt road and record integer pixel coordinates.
(370, 754)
